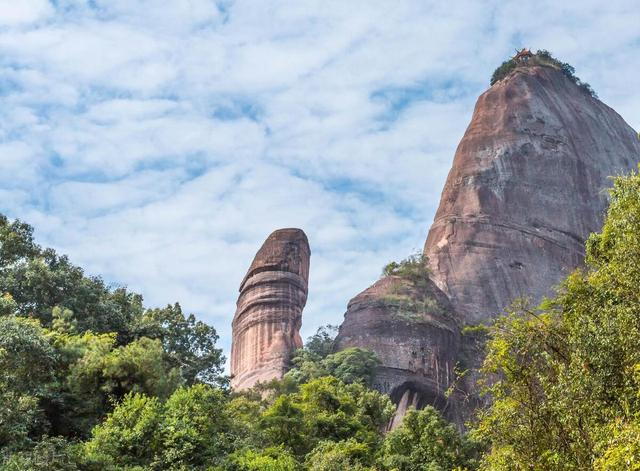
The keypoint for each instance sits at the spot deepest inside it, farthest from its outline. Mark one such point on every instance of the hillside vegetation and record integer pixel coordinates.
(92, 380)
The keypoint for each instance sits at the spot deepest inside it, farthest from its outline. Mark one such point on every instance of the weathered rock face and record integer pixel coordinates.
(414, 334)
(268, 317)
(526, 189)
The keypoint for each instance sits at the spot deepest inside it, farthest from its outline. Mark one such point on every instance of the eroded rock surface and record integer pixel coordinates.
(412, 330)
(527, 187)
(268, 317)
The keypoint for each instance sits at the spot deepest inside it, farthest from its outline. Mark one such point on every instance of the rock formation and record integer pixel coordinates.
(268, 317)
(412, 329)
(527, 187)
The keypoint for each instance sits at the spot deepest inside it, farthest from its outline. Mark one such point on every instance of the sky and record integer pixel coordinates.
(158, 143)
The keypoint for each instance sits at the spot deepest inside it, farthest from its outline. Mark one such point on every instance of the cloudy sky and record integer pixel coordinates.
(158, 142)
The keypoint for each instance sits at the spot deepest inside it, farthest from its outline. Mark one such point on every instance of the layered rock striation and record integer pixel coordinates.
(268, 317)
(527, 187)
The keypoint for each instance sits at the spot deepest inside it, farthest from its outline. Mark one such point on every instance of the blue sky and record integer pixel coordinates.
(158, 143)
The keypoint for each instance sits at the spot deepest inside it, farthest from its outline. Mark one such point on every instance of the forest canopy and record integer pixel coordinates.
(92, 380)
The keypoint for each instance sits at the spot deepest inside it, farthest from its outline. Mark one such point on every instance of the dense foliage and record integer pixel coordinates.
(71, 348)
(142, 390)
(91, 380)
(565, 377)
(544, 58)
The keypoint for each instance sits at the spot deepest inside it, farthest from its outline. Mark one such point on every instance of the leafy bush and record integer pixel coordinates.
(351, 365)
(269, 459)
(564, 377)
(49, 454)
(503, 70)
(326, 409)
(413, 267)
(339, 456)
(426, 441)
(27, 381)
(622, 449)
(322, 342)
(544, 58)
(190, 430)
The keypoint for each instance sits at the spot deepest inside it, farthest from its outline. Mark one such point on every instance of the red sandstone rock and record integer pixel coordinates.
(413, 331)
(268, 317)
(527, 187)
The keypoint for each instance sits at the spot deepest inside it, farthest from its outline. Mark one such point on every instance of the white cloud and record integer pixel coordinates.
(159, 143)
(22, 12)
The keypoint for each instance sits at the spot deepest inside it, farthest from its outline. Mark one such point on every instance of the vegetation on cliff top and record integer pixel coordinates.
(543, 58)
(414, 268)
(412, 305)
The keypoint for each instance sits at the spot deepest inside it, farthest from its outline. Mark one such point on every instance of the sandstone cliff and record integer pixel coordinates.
(527, 187)
(268, 317)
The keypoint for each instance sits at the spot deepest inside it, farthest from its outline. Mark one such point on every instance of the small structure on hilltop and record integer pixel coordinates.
(523, 55)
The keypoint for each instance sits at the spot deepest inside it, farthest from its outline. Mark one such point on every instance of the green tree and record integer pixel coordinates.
(351, 365)
(190, 344)
(414, 268)
(101, 342)
(195, 429)
(130, 435)
(8, 306)
(322, 343)
(39, 283)
(622, 449)
(27, 381)
(564, 375)
(284, 424)
(502, 71)
(39, 280)
(104, 374)
(49, 454)
(191, 430)
(426, 442)
(326, 409)
(338, 456)
(269, 459)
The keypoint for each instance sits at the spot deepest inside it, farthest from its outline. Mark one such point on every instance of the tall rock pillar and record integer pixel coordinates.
(268, 317)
